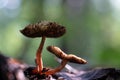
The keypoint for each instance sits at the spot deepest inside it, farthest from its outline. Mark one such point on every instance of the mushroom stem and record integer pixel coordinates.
(59, 68)
(39, 61)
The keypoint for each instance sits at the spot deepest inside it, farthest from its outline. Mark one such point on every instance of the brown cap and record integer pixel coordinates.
(45, 28)
(70, 57)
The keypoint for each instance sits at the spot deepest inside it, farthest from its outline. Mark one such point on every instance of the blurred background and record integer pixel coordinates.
(93, 30)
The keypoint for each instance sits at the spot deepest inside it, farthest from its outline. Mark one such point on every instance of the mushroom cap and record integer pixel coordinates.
(70, 57)
(44, 28)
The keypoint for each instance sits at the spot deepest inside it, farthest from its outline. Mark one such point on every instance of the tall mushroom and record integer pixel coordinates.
(43, 29)
(65, 58)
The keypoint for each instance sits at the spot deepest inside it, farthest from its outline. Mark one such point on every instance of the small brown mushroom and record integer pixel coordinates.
(65, 58)
(43, 29)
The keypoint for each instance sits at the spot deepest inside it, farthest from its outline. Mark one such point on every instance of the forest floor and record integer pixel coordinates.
(12, 69)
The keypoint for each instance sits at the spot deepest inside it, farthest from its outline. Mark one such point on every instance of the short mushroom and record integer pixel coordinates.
(65, 58)
(43, 29)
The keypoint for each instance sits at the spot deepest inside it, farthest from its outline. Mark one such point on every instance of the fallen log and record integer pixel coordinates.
(12, 69)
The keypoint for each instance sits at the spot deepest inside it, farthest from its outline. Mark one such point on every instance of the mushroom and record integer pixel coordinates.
(65, 58)
(43, 29)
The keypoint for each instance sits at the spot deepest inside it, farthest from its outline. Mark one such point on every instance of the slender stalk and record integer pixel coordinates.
(39, 61)
(59, 68)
